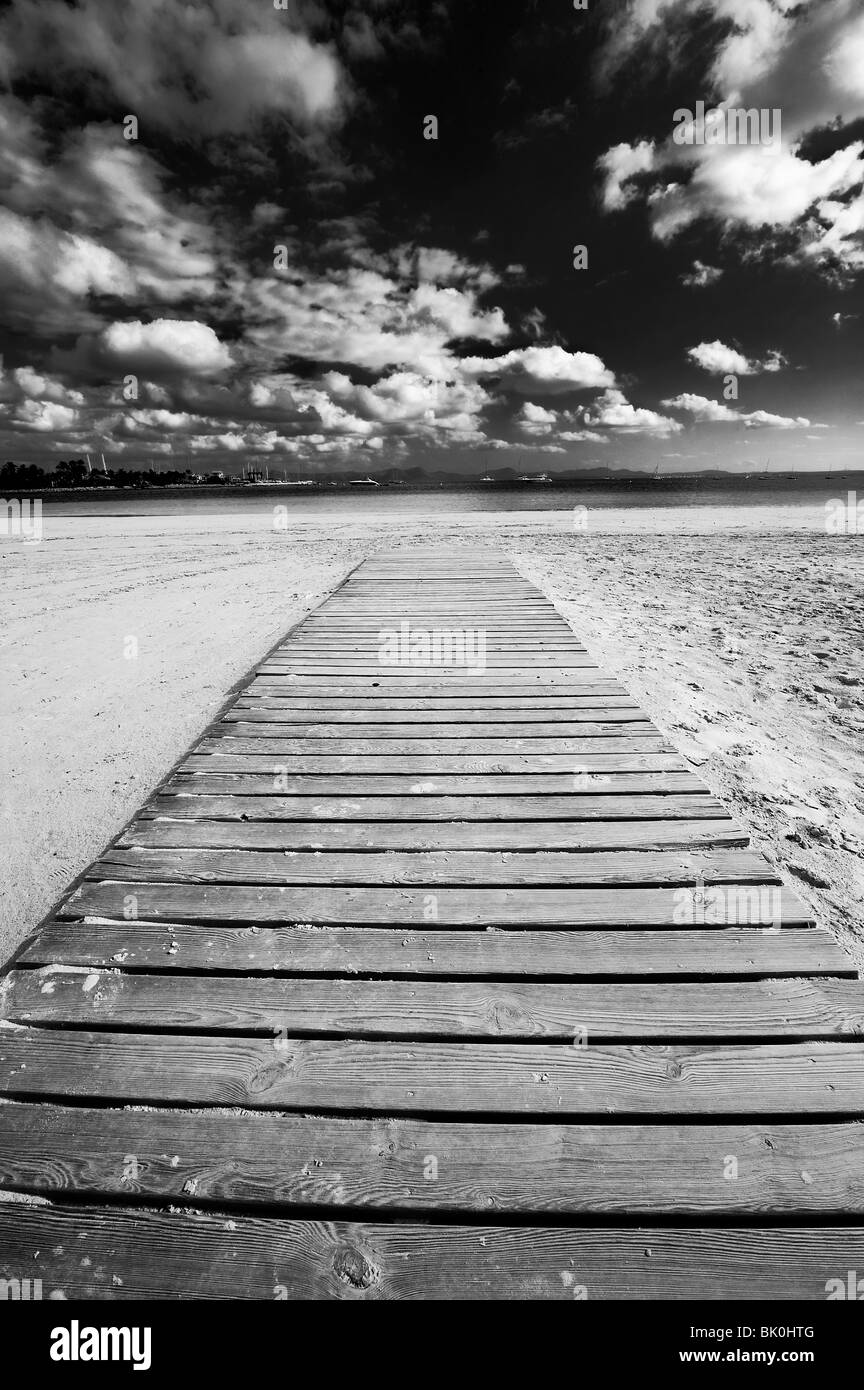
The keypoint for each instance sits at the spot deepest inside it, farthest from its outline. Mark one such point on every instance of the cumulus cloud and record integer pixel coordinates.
(621, 165)
(583, 436)
(44, 416)
(369, 315)
(535, 419)
(86, 222)
(187, 66)
(613, 411)
(38, 387)
(410, 399)
(719, 359)
(701, 408)
(543, 371)
(701, 275)
(763, 419)
(801, 58)
(165, 347)
(705, 411)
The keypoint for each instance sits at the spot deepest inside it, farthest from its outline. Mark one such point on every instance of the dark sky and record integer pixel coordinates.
(282, 266)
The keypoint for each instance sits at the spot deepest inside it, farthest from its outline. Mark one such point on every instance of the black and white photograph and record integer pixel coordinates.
(432, 786)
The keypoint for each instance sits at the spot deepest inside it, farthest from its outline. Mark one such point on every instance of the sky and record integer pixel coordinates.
(323, 236)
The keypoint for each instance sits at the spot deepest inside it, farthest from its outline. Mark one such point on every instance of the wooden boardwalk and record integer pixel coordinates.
(444, 981)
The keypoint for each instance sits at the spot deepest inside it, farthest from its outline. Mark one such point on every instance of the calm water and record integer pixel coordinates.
(363, 504)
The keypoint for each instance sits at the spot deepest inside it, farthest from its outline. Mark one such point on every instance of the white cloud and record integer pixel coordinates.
(763, 419)
(365, 316)
(535, 420)
(548, 371)
(90, 219)
(613, 411)
(705, 411)
(44, 416)
(701, 275)
(804, 59)
(45, 272)
(160, 420)
(749, 187)
(621, 165)
(583, 436)
(719, 359)
(186, 66)
(408, 399)
(456, 311)
(163, 347)
(701, 408)
(44, 388)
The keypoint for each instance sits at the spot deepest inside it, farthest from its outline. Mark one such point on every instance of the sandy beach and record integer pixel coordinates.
(739, 631)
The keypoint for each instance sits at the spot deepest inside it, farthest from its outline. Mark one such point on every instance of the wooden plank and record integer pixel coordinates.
(629, 722)
(585, 774)
(403, 602)
(393, 709)
(635, 737)
(371, 645)
(320, 1161)
(497, 627)
(434, 1077)
(412, 682)
(396, 784)
(96, 1253)
(649, 742)
(731, 905)
(431, 835)
(588, 1014)
(393, 693)
(337, 664)
(201, 796)
(171, 946)
(371, 641)
(193, 865)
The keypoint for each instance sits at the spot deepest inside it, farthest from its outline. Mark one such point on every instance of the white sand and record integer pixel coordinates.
(744, 645)
(87, 732)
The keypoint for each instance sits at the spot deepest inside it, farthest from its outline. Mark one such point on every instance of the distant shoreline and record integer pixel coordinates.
(706, 481)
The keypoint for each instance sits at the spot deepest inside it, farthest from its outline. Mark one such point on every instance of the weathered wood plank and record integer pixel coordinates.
(731, 905)
(413, 681)
(587, 1014)
(254, 799)
(203, 1256)
(630, 723)
(494, 627)
(286, 709)
(491, 748)
(371, 645)
(434, 1077)
(394, 693)
(348, 664)
(171, 946)
(430, 836)
(538, 784)
(184, 864)
(323, 1162)
(658, 772)
(641, 738)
